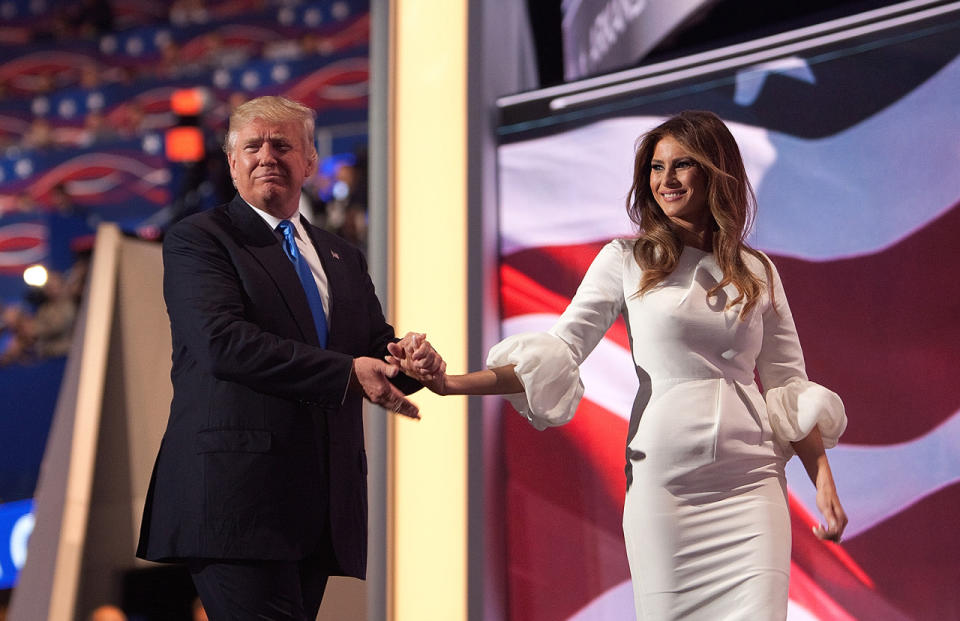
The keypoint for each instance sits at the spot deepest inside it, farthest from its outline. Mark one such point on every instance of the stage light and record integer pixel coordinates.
(189, 101)
(35, 275)
(184, 144)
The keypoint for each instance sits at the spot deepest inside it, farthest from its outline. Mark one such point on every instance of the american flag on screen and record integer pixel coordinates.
(23, 242)
(863, 223)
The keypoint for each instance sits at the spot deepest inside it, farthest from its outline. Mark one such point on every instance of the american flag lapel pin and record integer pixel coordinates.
(334, 254)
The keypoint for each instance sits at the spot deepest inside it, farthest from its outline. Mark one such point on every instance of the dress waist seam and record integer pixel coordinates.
(722, 378)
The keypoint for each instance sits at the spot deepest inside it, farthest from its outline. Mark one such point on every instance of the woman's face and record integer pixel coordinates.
(679, 185)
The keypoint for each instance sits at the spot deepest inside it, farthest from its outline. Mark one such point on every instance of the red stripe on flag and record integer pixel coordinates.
(802, 518)
(882, 331)
(806, 592)
(834, 572)
(912, 556)
(564, 502)
(523, 296)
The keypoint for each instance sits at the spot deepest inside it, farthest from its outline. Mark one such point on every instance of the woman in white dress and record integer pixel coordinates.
(706, 522)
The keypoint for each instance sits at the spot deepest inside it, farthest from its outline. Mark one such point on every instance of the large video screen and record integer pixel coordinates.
(851, 136)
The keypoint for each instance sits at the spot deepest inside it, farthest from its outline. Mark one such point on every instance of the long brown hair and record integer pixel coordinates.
(730, 199)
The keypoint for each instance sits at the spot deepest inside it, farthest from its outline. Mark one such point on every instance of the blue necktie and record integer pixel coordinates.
(306, 279)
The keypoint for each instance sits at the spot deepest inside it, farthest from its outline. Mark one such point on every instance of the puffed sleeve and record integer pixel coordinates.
(547, 363)
(794, 404)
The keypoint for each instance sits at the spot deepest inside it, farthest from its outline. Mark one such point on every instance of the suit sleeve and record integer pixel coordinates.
(210, 317)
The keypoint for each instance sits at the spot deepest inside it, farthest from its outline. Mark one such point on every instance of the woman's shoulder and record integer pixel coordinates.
(617, 251)
(613, 258)
(620, 245)
(759, 263)
(754, 258)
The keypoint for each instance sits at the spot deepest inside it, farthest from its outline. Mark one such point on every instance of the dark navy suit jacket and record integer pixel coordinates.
(264, 446)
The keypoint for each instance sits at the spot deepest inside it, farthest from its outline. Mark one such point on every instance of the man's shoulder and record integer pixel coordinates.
(334, 242)
(213, 215)
(213, 220)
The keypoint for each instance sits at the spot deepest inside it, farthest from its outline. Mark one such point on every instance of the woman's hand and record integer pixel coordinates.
(416, 358)
(829, 505)
(814, 458)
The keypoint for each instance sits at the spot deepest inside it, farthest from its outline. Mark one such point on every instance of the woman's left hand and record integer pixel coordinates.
(833, 514)
(815, 462)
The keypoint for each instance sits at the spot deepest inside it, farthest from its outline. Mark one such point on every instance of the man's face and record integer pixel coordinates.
(269, 162)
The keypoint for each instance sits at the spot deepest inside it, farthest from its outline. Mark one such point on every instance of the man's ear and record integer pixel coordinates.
(312, 165)
(230, 162)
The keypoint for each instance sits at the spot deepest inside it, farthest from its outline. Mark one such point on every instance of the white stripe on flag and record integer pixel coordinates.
(614, 604)
(819, 199)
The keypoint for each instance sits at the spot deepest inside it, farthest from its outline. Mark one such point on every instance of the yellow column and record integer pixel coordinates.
(427, 567)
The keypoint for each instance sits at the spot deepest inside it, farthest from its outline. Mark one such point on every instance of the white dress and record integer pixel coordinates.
(705, 520)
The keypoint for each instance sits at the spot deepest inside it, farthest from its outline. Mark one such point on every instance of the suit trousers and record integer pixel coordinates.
(236, 590)
(267, 590)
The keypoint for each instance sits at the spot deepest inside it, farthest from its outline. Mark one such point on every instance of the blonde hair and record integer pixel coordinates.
(276, 110)
(730, 199)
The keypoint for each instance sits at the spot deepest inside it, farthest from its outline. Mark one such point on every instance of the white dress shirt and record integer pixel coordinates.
(307, 251)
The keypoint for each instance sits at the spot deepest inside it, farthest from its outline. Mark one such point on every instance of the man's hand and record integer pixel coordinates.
(370, 375)
(414, 355)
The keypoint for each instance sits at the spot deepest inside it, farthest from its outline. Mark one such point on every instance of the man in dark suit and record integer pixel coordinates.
(260, 482)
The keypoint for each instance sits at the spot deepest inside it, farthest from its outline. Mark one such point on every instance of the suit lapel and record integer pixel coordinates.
(264, 246)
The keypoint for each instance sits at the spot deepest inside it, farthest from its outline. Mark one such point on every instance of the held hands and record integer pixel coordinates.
(370, 375)
(414, 355)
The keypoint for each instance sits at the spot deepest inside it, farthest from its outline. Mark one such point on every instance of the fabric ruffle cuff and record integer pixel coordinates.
(545, 366)
(797, 407)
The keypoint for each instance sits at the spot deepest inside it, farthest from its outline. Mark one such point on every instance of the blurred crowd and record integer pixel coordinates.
(335, 198)
(109, 612)
(93, 20)
(42, 326)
